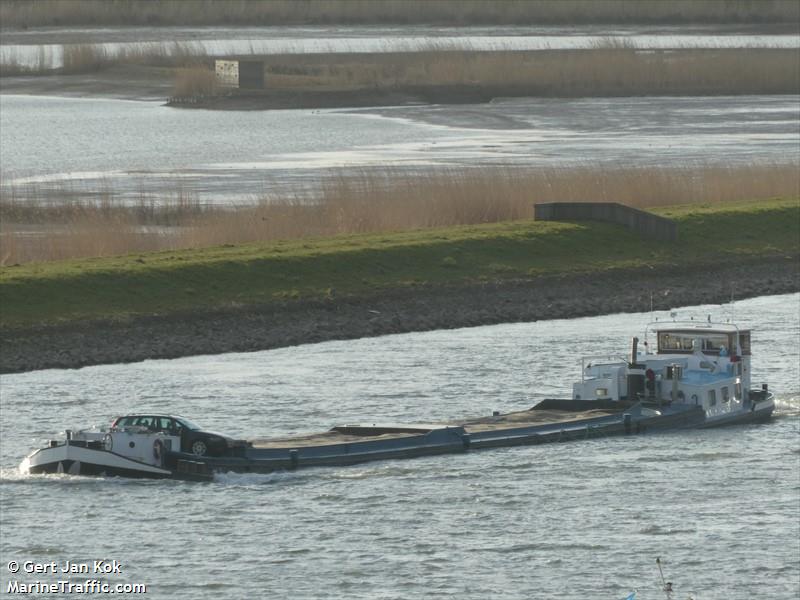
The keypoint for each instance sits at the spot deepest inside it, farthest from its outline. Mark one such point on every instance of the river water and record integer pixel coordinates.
(576, 520)
(132, 148)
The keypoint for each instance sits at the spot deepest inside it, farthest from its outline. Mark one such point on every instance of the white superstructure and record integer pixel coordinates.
(704, 364)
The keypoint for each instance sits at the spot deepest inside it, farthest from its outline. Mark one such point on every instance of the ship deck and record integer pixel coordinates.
(344, 434)
(548, 421)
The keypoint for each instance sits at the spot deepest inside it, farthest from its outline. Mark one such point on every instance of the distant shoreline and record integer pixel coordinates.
(419, 309)
(355, 80)
(98, 13)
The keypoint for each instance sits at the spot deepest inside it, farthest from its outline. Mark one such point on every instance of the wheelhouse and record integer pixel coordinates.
(712, 341)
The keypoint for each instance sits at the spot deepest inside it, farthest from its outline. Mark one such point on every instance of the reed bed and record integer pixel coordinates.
(194, 82)
(615, 70)
(37, 13)
(38, 229)
(90, 58)
(84, 58)
(11, 65)
(612, 68)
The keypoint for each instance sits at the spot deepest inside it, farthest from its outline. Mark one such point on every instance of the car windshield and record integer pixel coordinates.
(188, 424)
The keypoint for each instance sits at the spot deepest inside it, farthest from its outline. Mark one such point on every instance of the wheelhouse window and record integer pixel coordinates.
(712, 344)
(674, 342)
(683, 341)
(712, 397)
(725, 394)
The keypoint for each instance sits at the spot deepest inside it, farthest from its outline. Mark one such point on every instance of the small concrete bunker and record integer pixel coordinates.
(245, 74)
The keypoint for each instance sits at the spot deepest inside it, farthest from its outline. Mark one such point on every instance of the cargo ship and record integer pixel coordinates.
(693, 375)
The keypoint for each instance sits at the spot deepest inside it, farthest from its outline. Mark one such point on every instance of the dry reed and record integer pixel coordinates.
(28, 13)
(35, 229)
(601, 71)
(10, 65)
(84, 58)
(194, 82)
(90, 58)
(613, 68)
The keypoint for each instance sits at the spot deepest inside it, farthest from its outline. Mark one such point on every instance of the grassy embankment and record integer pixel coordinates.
(27, 13)
(362, 265)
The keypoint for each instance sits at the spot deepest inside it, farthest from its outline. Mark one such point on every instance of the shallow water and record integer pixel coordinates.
(134, 148)
(577, 520)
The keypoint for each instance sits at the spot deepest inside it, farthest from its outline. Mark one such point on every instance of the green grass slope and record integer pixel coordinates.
(225, 277)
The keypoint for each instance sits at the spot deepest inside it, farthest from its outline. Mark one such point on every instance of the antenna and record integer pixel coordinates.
(665, 585)
(733, 306)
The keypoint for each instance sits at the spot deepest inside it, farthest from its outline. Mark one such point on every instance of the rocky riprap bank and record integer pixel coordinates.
(414, 309)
